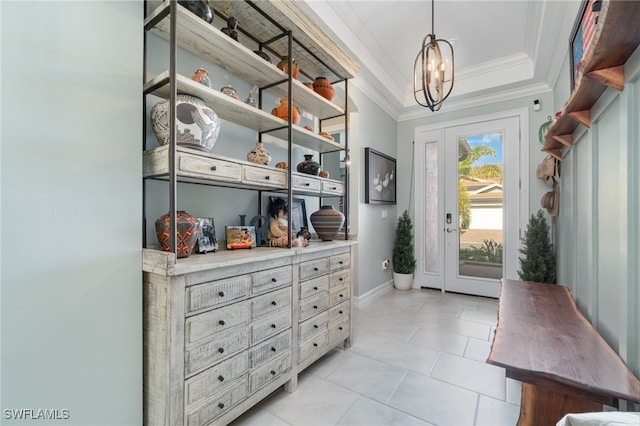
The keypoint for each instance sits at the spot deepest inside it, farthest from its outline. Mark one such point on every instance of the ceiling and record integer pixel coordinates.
(503, 48)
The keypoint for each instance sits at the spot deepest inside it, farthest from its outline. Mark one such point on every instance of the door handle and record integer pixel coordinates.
(450, 230)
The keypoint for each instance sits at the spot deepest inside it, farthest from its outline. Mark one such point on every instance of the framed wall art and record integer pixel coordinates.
(581, 35)
(206, 235)
(380, 175)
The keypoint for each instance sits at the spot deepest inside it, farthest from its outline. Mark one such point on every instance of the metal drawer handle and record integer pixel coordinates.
(221, 378)
(221, 350)
(341, 262)
(221, 322)
(267, 177)
(221, 405)
(340, 312)
(274, 303)
(273, 349)
(334, 187)
(315, 325)
(315, 344)
(273, 326)
(214, 168)
(315, 288)
(273, 280)
(341, 279)
(307, 184)
(340, 328)
(341, 296)
(273, 372)
(315, 306)
(315, 269)
(221, 293)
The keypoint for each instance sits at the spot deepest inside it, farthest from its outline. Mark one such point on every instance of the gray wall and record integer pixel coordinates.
(71, 190)
(598, 228)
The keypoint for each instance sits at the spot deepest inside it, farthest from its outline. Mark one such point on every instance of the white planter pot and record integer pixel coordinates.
(402, 281)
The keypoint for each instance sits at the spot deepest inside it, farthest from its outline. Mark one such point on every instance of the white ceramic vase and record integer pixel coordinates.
(402, 281)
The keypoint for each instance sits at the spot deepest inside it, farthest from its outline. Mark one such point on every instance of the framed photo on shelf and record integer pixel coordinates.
(298, 215)
(380, 175)
(240, 237)
(581, 35)
(206, 235)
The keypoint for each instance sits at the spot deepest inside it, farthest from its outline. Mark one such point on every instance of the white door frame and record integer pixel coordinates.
(435, 133)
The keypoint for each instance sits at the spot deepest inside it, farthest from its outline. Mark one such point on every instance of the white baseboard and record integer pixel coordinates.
(372, 295)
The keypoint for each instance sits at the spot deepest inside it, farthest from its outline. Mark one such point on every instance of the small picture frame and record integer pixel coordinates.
(298, 215)
(240, 237)
(206, 241)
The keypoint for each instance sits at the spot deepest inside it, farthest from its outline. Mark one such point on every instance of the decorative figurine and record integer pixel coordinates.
(201, 76)
(230, 29)
(279, 226)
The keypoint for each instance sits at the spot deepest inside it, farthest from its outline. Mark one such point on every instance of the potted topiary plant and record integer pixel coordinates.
(404, 264)
(539, 262)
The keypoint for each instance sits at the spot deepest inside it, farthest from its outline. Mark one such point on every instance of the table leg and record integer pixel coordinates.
(542, 407)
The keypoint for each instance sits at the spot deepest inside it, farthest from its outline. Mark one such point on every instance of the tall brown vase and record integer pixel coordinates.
(327, 222)
(323, 88)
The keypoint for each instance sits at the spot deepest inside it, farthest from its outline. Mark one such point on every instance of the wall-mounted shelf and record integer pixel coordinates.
(617, 36)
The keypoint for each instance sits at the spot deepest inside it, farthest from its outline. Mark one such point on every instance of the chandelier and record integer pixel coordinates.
(433, 70)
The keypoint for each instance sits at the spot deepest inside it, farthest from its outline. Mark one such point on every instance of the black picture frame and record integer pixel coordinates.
(584, 26)
(207, 241)
(380, 175)
(298, 215)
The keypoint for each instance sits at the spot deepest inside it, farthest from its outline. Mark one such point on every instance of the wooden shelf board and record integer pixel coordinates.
(238, 112)
(226, 107)
(616, 38)
(289, 15)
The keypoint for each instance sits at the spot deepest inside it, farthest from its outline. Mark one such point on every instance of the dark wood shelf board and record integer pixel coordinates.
(617, 37)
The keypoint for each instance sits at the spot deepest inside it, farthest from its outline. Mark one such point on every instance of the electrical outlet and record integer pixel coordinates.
(386, 264)
(384, 214)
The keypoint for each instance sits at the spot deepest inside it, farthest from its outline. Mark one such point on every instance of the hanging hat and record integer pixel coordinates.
(551, 201)
(547, 170)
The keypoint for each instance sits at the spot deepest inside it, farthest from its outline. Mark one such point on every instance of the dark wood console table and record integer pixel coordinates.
(544, 341)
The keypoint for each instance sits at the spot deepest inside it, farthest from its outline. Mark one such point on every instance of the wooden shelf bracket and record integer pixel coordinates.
(611, 77)
(582, 117)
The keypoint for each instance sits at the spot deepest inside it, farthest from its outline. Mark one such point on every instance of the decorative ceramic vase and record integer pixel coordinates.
(323, 174)
(259, 154)
(201, 8)
(308, 166)
(323, 88)
(186, 233)
(283, 111)
(202, 76)
(284, 66)
(327, 222)
(198, 125)
(230, 91)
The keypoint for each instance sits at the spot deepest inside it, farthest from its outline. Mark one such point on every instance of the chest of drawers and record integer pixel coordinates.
(220, 337)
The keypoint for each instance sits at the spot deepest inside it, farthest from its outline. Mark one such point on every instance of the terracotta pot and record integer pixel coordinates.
(323, 88)
(308, 166)
(259, 154)
(284, 66)
(198, 125)
(186, 233)
(327, 222)
(283, 111)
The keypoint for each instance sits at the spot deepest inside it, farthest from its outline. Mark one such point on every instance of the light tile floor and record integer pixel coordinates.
(418, 358)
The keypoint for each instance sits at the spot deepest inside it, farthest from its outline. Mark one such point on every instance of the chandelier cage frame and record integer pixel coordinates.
(431, 73)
